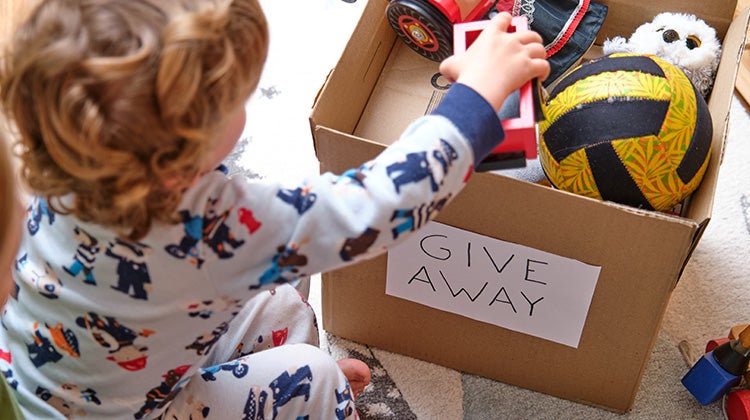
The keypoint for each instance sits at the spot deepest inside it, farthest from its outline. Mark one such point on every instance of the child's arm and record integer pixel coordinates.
(333, 220)
(497, 62)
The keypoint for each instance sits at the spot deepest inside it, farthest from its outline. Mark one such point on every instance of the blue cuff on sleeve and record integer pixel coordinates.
(474, 117)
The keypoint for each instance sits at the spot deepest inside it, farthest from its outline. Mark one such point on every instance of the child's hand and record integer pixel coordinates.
(498, 62)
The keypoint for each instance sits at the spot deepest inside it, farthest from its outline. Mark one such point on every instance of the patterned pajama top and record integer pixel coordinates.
(105, 328)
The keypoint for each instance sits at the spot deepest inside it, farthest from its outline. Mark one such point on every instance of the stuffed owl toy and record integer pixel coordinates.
(682, 39)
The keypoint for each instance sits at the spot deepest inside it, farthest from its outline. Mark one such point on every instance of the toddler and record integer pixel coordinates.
(148, 282)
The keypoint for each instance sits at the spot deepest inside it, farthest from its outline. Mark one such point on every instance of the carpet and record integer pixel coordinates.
(307, 37)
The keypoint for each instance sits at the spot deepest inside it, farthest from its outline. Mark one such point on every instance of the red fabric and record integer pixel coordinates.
(569, 32)
(505, 5)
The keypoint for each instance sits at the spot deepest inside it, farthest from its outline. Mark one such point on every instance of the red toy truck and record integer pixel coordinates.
(519, 124)
(427, 25)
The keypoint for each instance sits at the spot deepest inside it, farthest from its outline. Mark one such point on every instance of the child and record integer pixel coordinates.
(10, 232)
(150, 283)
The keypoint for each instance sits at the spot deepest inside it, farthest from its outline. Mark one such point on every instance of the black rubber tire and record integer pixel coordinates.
(422, 27)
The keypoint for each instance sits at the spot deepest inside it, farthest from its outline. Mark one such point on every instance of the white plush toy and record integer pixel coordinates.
(682, 39)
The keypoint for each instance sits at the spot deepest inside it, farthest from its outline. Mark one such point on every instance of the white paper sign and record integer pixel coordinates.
(501, 283)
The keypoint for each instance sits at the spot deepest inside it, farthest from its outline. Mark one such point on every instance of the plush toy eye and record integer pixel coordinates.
(693, 42)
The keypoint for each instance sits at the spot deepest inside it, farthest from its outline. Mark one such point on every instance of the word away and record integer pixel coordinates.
(502, 296)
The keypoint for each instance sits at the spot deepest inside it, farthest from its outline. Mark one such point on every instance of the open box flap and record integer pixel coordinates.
(363, 57)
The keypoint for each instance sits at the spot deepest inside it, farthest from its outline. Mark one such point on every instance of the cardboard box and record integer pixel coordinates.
(378, 87)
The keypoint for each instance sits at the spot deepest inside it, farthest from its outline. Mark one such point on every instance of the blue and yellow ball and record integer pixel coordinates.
(627, 128)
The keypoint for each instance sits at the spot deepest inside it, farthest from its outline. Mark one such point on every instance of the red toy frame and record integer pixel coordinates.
(520, 132)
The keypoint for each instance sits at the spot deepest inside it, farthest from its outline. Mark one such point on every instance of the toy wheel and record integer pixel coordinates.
(422, 27)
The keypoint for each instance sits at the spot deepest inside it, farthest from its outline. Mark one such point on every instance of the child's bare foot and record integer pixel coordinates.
(357, 372)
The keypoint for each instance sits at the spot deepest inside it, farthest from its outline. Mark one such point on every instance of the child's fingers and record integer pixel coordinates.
(540, 67)
(501, 22)
(449, 68)
(529, 37)
(536, 50)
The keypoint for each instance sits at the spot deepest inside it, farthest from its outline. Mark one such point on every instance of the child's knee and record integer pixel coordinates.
(298, 314)
(314, 356)
(321, 365)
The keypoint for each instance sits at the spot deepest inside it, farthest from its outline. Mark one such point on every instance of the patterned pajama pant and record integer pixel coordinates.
(267, 366)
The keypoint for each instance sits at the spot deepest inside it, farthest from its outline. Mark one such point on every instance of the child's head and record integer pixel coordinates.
(120, 102)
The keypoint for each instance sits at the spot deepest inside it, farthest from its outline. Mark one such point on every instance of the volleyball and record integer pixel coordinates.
(628, 128)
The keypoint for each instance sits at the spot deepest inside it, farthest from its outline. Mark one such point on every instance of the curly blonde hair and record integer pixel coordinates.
(115, 100)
